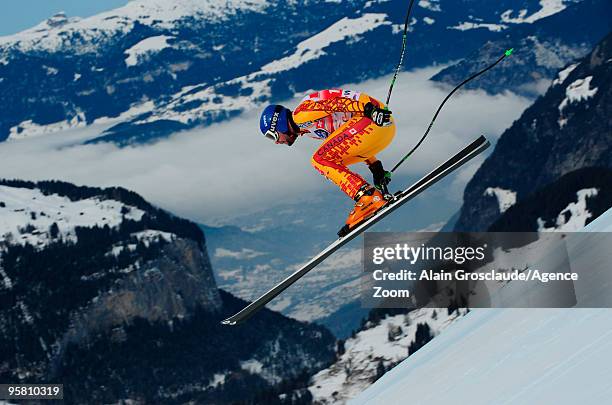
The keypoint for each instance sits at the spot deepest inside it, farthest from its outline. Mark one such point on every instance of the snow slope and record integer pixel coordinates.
(313, 47)
(357, 367)
(83, 35)
(510, 356)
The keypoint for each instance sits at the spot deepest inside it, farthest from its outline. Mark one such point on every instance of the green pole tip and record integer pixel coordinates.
(509, 51)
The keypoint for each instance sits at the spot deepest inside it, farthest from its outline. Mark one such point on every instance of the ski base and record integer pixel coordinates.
(399, 199)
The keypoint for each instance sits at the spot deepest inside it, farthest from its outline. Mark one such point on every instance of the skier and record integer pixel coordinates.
(354, 127)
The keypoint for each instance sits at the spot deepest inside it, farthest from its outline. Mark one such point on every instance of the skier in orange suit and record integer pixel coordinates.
(354, 127)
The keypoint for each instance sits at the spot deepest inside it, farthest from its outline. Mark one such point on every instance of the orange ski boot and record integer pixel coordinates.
(368, 201)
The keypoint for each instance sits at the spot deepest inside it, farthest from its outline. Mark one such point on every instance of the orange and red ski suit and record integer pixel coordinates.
(336, 117)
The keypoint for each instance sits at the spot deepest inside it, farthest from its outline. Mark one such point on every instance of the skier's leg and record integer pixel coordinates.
(356, 141)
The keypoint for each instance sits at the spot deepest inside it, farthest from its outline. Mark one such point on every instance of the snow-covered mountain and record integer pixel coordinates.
(379, 346)
(156, 67)
(523, 356)
(101, 290)
(567, 204)
(565, 130)
(542, 48)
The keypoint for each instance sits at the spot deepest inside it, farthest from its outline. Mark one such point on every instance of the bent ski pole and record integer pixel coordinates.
(475, 75)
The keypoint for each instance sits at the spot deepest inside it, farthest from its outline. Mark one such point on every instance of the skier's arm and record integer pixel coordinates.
(366, 106)
(338, 104)
(316, 108)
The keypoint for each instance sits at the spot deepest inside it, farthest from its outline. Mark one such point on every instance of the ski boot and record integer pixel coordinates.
(368, 201)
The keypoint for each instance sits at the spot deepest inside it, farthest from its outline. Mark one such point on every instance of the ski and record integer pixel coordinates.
(399, 199)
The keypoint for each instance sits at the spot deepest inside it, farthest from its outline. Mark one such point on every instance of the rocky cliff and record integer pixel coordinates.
(567, 129)
(101, 291)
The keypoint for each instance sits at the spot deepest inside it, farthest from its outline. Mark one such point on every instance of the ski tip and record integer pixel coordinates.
(509, 52)
(228, 321)
(484, 142)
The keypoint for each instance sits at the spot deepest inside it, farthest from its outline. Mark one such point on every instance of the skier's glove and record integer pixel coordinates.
(381, 177)
(380, 116)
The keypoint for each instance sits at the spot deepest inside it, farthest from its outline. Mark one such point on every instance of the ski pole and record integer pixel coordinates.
(475, 75)
(403, 51)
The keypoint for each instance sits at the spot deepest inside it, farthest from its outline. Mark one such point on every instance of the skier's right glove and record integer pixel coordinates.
(380, 116)
(381, 177)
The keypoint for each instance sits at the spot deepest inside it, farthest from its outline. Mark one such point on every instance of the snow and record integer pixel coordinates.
(134, 110)
(146, 237)
(22, 204)
(505, 198)
(25, 311)
(6, 280)
(563, 74)
(428, 20)
(548, 8)
(578, 90)
(354, 370)
(312, 48)
(28, 129)
(464, 26)
(431, 5)
(255, 366)
(85, 35)
(553, 54)
(255, 86)
(152, 235)
(252, 366)
(578, 214)
(217, 379)
(508, 356)
(163, 12)
(51, 71)
(172, 111)
(145, 48)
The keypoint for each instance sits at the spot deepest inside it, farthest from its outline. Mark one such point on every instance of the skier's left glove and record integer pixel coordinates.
(381, 177)
(380, 116)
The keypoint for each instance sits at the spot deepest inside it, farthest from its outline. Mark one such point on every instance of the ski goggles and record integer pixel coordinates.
(271, 133)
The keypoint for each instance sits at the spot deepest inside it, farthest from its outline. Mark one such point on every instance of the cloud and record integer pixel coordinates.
(228, 169)
(244, 254)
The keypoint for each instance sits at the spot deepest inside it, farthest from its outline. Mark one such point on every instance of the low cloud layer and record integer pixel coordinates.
(229, 169)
